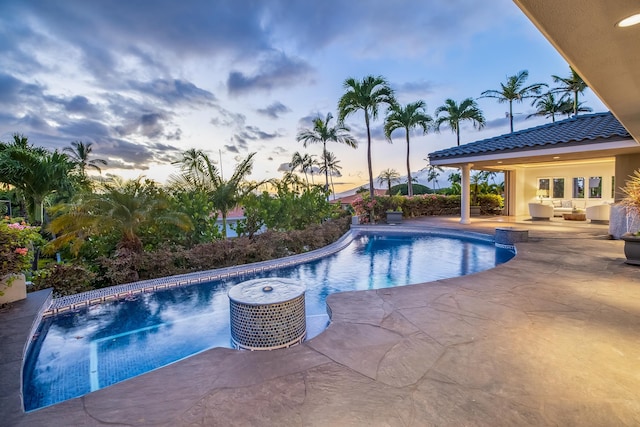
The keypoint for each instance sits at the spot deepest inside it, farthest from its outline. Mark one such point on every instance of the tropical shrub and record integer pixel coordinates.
(421, 205)
(65, 279)
(490, 204)
(128, 266)
(286, 210)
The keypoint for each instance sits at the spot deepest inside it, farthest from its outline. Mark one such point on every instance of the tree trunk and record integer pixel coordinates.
(371, 190)
(511, 115)
(409, 180)
(326, 169)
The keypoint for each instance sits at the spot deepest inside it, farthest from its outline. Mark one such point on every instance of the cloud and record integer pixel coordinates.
(285, 167)
(276, 70)
(279, 150)
(227, 118)
(419, 88)
(255, 133)
(274, 110)
(13, 90)
(307, 121)
(174, 92)
(148, 124)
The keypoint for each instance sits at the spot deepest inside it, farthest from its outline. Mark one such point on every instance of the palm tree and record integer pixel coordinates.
(79, 153)
(432, 174)
(36, 172)
(514, 90)
(568, 108)
(304, 162)
(324, 133)
(467, 110)
(331, 164)
(125, 208)
(571, 85)
(199, 171)
(366, 95)
(548, 106)
(309, 164)
(388, 176)
(412, 115)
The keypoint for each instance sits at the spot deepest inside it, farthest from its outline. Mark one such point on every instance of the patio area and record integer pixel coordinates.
(548, 338)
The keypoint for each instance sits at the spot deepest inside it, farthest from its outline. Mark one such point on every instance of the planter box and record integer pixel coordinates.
(474, 210)
(631, 248)
(394, 217)
(15, 291)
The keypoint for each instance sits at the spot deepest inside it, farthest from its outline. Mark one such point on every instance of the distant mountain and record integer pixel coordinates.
(420, 177)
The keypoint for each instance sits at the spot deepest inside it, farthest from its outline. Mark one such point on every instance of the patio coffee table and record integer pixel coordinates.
(575, 216)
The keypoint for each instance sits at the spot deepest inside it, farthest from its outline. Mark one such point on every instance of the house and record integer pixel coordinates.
(585, 159)
(570, 160)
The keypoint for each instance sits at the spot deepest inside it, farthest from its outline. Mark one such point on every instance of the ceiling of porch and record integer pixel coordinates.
(606, 56)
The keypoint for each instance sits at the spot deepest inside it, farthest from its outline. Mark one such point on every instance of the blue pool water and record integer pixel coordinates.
(85, 350)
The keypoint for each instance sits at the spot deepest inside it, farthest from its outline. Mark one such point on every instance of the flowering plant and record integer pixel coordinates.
(17, 240)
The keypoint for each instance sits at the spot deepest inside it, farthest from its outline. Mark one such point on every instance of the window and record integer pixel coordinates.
(578, 188)
(558, 188)
(543, 188)
(595, 187)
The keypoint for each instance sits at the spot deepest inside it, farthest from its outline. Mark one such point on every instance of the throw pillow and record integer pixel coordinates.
(557, 203)
(567, 204)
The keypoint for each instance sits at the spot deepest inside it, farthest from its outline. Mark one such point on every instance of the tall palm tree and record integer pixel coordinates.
(122, 207)
(332, 166)
(367, 95)
(514, 90)
(199, 171)
(79, 153)
(571, 85)
(388, 176)
(323, 133)
(453, 114)
(411, 116)
(548, 106)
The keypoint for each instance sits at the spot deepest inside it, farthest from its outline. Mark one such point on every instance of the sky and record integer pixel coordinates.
(145, 80)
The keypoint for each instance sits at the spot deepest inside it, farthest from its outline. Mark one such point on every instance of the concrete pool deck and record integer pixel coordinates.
(550, 338)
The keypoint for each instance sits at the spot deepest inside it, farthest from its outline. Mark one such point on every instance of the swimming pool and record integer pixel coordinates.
(87, 349)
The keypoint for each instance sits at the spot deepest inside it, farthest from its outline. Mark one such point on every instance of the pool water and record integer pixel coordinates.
(88, 349)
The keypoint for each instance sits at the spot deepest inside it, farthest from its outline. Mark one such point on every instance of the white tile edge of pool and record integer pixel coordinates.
(97, 296)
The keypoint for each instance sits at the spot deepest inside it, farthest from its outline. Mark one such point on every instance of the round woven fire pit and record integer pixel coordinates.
(267, 314)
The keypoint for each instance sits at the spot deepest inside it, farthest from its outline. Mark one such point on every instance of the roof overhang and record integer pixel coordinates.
(605, 56)
(510, 159)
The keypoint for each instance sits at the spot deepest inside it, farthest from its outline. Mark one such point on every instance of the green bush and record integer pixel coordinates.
(490, 204)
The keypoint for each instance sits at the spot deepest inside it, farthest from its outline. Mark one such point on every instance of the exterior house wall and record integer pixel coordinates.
(527, 183)
(625, 166)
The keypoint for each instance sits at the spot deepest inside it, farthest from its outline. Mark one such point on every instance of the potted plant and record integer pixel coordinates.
(632, 202)
(394, 216)
(16, 243)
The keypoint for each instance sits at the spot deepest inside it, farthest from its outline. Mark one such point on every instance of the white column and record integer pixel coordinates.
(465, 202)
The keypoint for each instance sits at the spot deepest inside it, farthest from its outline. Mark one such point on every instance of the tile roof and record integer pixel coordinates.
(587, 128)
